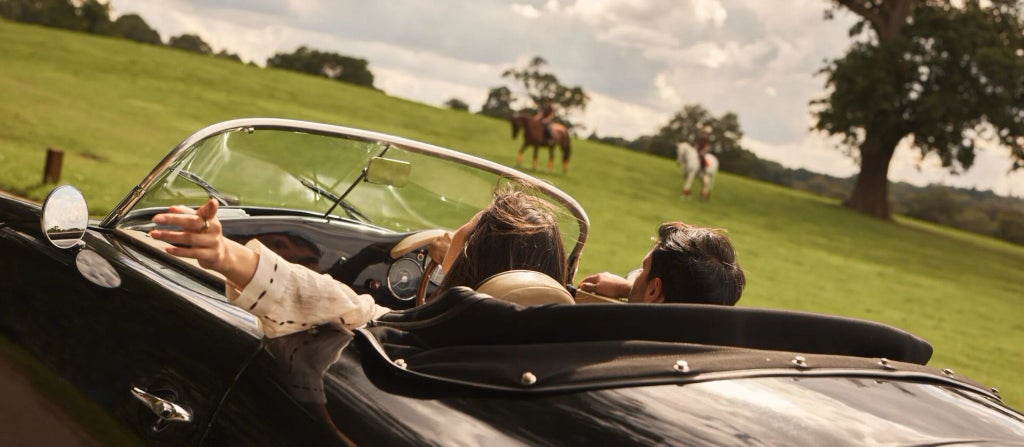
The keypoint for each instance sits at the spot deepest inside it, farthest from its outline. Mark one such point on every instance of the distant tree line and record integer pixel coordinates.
(93, 16)
(321, 63)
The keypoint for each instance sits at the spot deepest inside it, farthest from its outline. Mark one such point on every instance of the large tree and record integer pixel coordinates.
(942, 75)
(539, 85)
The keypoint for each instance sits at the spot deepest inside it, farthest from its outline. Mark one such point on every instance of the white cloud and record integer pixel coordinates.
(666, 91)
(612, 117)
(710, 11)
(527, 11)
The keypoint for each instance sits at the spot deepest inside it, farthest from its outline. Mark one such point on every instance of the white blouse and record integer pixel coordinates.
(290, 298)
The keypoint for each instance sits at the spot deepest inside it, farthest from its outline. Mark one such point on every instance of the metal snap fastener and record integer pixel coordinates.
(800, 361)
(681, 366)
(528, 378)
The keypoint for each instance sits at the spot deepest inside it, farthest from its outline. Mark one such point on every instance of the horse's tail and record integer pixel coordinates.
(515, 126)
(566, 151)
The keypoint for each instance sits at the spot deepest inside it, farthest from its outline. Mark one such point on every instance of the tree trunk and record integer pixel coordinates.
(871, 193)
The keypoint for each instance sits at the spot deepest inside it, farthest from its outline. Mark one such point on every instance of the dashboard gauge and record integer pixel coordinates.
(403, 277)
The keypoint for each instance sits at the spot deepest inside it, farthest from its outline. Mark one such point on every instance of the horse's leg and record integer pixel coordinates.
(551, 157)
(691, 173)
(519, 155)
(535, 149)
(706, 185)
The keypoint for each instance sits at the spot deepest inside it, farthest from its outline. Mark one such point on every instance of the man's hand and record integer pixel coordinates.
(606, 284)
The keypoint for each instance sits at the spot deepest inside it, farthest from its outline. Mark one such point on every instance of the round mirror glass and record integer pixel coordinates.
(65, 216)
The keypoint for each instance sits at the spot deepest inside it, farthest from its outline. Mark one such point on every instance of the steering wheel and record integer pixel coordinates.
(421, 289)
(412, 242)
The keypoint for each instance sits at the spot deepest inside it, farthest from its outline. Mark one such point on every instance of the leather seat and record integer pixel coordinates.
(525, 288)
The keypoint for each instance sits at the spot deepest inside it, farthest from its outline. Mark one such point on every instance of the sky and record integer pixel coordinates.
(640, 61)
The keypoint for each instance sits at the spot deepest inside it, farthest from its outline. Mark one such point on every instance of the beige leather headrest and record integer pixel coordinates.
(526, 288)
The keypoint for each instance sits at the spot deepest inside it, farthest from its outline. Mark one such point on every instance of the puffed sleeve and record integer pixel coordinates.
(289, 298)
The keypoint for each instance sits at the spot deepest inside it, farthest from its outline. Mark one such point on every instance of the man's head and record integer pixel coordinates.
(689, 264)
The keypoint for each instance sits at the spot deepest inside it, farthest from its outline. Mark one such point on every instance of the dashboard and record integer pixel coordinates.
(384, 264)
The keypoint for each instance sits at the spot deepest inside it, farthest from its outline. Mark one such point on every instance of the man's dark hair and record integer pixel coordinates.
(696, 265)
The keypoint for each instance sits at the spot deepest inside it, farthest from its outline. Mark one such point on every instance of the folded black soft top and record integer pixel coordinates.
(472, 339)
(463, 317)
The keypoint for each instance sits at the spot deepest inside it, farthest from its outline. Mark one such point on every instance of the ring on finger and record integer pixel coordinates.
(206, 226)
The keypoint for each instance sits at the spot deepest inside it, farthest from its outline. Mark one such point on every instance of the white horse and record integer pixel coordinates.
(688, 158)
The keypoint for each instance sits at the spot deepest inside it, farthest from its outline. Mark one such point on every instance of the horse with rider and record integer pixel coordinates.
(697, 160)
(541, 129)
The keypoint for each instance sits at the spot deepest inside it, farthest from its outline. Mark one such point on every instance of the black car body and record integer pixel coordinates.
(152, 343)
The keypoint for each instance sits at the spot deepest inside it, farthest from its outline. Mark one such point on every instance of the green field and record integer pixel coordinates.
(116, 107)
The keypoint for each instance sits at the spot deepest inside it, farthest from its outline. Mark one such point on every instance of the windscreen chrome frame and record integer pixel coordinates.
(248, 124)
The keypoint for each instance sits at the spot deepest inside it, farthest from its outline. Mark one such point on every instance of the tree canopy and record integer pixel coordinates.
(190, 42)
(940, 75)
(457, 104)
(498, 103)
(133, 27)
(326, 64)
(539, 85)
(90, 16)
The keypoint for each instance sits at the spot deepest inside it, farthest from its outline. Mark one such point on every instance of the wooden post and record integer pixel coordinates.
(54, 159)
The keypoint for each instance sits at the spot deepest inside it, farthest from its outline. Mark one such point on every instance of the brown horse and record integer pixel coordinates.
(533, 134)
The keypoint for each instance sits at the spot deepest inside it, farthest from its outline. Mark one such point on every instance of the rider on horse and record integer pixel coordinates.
(703, 146)
(545, 115)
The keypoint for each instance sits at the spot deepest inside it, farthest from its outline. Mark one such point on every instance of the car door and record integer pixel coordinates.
(133, 334)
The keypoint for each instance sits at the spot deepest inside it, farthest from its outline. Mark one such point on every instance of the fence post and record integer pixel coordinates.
(54, 159)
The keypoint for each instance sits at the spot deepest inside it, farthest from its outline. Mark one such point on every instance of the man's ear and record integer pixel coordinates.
(654, 293)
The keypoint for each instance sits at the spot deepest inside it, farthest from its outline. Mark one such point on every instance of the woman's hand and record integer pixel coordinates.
(201, 239)
(439, 247)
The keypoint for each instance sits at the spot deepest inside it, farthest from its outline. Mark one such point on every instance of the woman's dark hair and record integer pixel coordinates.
(518, 231)
(696, 265)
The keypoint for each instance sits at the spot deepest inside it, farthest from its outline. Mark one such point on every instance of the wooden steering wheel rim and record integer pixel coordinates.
(421, 289)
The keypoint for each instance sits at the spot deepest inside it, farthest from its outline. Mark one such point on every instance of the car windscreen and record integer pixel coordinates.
(334, 175)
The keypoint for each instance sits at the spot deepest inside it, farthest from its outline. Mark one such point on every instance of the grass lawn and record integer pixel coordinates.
(117, 107)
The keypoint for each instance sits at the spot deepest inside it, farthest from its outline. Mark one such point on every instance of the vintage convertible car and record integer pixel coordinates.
(151, 345)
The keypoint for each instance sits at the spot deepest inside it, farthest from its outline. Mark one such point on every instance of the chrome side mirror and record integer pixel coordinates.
(65, 216)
